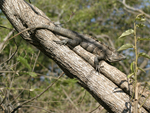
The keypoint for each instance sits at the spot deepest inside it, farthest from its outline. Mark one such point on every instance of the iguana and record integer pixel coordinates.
(100, 50)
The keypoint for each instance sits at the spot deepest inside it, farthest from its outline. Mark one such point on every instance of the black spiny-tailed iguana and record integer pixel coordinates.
(101, 51)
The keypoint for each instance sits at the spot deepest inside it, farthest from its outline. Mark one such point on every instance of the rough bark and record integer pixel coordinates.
(109, 90)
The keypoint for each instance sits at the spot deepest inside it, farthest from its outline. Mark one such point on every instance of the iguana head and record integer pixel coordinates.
(114, 57)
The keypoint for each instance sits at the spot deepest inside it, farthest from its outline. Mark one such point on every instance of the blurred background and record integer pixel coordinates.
(25, 71)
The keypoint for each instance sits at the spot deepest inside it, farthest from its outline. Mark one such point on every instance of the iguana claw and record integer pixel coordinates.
(98, 68)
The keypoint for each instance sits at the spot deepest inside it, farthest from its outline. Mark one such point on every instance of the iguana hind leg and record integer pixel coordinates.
(70, 42)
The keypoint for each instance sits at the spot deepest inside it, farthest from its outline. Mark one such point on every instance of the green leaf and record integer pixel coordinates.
(140, 25)
(32, 74)
(126, 46)
(144, 55)
(132, 66)
(24, 62)
(38, 89)
(143, 38)
(130, 75)
(141, 69)
(148, 83)
(32, 89)
(140, 17)
(143, 19)
(126, 33)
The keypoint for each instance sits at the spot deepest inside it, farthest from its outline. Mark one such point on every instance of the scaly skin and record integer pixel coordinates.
(101, 51)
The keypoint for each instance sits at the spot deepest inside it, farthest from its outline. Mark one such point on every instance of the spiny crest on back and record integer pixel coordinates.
(102, 43)
(111, 49)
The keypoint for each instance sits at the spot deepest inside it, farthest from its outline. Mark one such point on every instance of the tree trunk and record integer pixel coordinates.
(111, 90)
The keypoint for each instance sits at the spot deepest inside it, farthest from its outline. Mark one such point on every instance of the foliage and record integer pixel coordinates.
(29, 72)
(134, 65)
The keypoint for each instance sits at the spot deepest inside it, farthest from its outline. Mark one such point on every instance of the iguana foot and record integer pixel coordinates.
(98, 68)
(97, 63)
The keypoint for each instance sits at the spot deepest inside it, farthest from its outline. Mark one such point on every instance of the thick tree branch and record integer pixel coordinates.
(102, 88)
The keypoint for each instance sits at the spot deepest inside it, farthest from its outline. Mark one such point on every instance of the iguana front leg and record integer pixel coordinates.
(97, 59)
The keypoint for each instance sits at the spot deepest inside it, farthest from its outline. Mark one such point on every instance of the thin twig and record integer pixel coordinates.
(70, 100)
(12, 54)
(82, 98)
(94, 109)
(35, 60)
(6, 27)
(2, 44)
(37, 107)
(37, 95)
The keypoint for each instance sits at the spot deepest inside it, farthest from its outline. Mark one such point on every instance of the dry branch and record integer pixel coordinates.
(106, 90)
